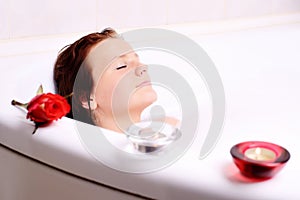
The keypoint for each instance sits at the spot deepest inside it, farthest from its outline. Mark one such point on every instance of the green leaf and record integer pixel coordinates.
(40, 90)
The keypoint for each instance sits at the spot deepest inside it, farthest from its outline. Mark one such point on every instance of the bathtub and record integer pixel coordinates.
(260, 71)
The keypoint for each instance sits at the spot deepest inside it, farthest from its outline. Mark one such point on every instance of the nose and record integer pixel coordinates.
(141, 70)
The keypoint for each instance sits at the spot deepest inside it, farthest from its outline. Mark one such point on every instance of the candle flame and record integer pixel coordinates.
(258, 150)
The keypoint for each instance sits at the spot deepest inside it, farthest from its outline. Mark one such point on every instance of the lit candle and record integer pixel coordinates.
(258, 159)
(260, 154)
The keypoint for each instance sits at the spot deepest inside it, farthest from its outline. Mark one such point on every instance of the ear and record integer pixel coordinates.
(87, 104)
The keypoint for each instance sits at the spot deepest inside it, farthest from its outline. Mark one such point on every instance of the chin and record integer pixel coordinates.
(148, 95)
(143, 98)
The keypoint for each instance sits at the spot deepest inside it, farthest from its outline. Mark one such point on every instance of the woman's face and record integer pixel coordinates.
(124, 89)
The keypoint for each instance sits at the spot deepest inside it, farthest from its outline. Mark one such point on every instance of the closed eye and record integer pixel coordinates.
(121, 67)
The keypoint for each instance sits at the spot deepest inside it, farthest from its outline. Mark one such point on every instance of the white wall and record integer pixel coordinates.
(32, 18)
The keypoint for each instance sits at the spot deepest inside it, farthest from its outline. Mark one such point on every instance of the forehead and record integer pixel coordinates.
(103, 54)
(108, 50)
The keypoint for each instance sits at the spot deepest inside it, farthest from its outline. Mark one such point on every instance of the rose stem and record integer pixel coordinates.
(16, 103)
(35, 128)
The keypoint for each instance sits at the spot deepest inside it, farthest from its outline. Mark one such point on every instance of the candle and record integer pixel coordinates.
(258, 159)
(260, 154)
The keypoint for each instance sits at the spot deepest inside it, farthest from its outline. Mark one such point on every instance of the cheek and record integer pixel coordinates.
(124, 87)
(104, 90)
(114, 90)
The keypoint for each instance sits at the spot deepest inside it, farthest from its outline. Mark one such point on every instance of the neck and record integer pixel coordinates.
(119, 123)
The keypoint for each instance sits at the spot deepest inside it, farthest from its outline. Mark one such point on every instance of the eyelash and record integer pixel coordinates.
(121, 67)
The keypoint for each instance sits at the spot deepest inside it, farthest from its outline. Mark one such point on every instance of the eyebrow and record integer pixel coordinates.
(135, 54)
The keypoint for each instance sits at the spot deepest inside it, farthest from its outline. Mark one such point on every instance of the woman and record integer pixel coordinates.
(110, 86)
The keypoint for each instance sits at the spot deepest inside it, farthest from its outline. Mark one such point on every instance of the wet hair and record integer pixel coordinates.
(66, 71)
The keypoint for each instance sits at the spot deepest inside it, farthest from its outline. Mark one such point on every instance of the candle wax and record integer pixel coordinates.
(260, 154)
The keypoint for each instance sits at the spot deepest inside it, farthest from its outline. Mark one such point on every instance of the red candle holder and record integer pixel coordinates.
(256, 159)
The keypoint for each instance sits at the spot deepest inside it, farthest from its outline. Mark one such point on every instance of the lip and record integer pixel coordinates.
(144, 83)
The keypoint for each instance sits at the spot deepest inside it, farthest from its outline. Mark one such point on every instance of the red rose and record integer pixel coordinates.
(47, 107)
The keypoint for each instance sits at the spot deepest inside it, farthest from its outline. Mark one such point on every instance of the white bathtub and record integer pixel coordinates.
(260, 69)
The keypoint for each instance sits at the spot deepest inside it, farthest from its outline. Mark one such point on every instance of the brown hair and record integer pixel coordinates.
(66, 70)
